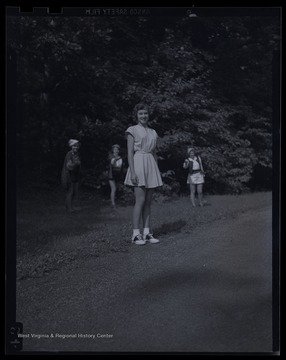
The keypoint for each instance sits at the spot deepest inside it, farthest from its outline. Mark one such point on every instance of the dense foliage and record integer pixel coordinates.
(208, 82)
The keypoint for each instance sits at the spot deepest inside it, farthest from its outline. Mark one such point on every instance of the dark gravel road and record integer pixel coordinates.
(202, 290)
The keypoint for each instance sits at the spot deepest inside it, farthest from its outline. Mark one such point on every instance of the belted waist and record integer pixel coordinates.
(195, 171)
(142, 152)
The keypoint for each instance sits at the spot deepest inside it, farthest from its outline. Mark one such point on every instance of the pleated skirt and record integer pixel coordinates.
(146, 170)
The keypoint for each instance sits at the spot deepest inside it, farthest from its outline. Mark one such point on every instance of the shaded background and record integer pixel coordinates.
(208, 80)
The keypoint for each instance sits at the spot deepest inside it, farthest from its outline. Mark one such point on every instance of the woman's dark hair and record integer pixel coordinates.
(140, 106)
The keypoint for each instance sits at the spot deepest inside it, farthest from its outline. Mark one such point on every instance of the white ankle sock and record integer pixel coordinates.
(135, 233)
(146, 231)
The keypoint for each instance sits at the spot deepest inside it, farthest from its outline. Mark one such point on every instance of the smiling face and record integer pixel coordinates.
(115, 151)
(143, 117)
(191, 153)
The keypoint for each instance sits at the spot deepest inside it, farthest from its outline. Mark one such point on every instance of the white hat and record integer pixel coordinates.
(72, 142)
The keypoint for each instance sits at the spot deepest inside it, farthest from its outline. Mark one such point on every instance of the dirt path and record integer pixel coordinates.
(206, 290)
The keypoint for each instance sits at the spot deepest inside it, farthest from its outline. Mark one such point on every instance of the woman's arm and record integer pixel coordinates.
(68, 161)
(73, 162)
(186, 164)
(154, 153)
(130, 150)
(201, 164)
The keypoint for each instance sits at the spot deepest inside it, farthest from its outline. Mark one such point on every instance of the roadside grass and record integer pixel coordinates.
(40, 227)
(48, 237)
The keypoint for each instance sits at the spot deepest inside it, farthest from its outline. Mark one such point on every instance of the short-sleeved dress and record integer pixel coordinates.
(145, 165)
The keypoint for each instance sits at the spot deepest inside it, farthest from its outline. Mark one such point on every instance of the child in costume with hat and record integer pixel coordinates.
(115, 171)
(195, 175)
(71, 174)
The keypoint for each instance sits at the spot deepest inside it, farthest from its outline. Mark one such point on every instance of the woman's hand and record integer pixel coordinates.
(134, 179)
(186, 163)
(77, 162)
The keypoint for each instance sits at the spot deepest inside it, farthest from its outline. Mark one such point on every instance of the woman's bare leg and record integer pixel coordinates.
(146, 212)
(193, 193)
(139, 203)
(200, 194)
(112, 192)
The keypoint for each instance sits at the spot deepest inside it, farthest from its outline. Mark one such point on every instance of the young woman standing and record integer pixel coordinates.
(115, 172)
(143, 173)
(195, 176)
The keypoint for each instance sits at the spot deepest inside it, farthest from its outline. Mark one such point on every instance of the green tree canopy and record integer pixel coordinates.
(208, 82)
